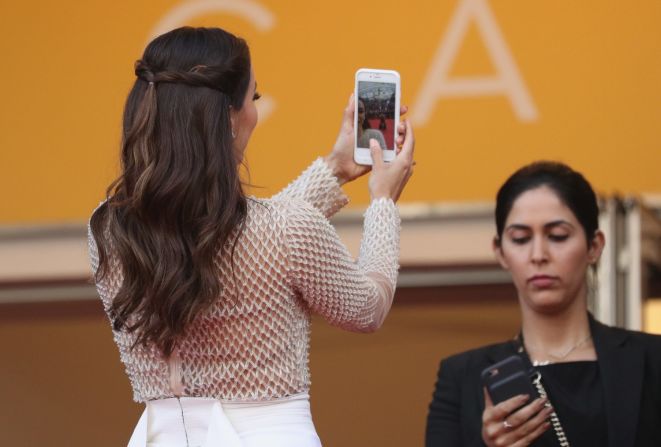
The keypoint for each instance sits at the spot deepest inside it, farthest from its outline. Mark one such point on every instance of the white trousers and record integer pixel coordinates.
(206, 422)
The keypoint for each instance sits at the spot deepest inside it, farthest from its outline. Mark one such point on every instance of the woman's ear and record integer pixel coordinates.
(498, 251)
(596, 247)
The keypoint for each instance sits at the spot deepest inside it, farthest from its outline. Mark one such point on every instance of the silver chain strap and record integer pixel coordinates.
(555, 421)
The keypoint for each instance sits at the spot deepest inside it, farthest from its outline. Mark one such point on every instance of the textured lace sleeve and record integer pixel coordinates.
(352, 295)
(319, 187)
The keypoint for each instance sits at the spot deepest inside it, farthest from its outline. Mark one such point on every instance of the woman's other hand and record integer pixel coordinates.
(341, 159)
(388, 179)
(503, 426)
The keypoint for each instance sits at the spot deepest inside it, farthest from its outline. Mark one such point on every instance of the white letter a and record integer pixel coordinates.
(507, 80)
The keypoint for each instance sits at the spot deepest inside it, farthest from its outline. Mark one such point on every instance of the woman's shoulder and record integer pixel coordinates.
(619, 334)
(99, 208)
(97, 218)
(280, 215)
(644, 338)
(278, 203)
(283, 206)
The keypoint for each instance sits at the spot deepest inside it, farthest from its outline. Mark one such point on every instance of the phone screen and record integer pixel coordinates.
(376, 114)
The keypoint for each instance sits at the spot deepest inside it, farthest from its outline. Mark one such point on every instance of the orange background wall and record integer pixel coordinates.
(591, 68)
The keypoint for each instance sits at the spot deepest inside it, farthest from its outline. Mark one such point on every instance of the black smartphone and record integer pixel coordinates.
(508, 378)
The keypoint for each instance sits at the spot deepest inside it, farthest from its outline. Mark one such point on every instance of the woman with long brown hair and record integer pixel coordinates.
(209, 291)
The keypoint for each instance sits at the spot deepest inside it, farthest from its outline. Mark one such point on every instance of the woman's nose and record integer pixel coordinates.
(539, 252)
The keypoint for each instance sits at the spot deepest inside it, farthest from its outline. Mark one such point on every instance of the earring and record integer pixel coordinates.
(233, 134)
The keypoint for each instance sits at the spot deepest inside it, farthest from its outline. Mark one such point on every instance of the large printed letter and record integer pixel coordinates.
(507, 80)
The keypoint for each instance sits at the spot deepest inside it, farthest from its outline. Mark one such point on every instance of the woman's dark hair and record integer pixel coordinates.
(570, 187)
(179, 195)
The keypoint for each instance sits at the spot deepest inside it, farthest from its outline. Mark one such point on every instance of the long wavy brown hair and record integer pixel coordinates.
(179, 196)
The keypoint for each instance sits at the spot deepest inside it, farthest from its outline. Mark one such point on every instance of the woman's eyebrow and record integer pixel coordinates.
(548, 225)
(557, 223)
(516, 226)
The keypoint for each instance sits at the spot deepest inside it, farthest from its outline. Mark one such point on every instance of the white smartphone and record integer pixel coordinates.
(377, 96)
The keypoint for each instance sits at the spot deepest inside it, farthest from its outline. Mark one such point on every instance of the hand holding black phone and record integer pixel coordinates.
(519, 418)
(508, 378)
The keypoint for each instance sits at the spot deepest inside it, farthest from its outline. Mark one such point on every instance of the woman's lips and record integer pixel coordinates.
(542, 281)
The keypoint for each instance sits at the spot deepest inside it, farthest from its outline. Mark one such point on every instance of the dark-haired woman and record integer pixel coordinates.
(210, 292)
(602, 384)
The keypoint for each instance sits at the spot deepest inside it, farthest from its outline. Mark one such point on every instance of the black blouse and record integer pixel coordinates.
(576, 393)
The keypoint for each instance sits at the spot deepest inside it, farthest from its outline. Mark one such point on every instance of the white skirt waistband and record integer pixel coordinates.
(206, 422)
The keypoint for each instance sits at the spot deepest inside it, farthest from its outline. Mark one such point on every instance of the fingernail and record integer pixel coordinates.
(523, 396)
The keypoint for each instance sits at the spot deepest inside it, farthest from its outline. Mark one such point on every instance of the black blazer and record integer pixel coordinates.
(630, 370)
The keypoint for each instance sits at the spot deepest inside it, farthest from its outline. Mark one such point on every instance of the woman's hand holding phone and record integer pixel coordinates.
(341, 159)
(388, 179)
(503, 424)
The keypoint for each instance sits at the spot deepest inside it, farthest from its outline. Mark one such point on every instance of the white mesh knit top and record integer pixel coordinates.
(253, 343)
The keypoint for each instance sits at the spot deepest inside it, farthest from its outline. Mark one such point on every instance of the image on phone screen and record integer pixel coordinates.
(376, 114)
